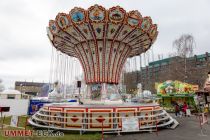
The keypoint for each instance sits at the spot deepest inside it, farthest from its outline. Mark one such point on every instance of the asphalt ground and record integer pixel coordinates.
(188, 129)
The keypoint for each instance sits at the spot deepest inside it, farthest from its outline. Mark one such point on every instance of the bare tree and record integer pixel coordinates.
(185, 46)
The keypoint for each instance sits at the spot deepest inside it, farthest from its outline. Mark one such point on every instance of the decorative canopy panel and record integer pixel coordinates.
(102, 39)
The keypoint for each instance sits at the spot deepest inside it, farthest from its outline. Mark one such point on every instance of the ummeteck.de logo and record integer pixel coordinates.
(30, 133)
(18, 133)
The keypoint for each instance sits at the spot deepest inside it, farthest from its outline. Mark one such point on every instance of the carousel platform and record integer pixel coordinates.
(111, 118)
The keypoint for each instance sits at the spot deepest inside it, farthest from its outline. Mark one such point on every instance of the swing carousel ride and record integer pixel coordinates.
(102, 40)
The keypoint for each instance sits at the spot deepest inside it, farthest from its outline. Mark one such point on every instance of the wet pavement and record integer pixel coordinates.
(188, 129)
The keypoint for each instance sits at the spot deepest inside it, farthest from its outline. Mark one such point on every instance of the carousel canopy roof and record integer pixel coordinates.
(102, 39)
(79, 26)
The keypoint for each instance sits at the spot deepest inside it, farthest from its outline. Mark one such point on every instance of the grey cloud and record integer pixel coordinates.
(23, 53)
(23, 22)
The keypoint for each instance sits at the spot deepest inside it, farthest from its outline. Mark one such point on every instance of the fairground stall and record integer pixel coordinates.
(102, 40)
(203, 96)
(203, 100)
(171, 92)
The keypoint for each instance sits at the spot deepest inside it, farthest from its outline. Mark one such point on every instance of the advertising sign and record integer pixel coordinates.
(96, 91)
(188, 112)
(35, 105)
(14, 121)
(130, 124)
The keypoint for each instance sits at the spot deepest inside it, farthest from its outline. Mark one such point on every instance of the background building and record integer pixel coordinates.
(31, 88)
(192, 70)
(10, 94)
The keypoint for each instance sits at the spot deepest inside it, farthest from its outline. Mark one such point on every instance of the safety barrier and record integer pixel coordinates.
(146, 118)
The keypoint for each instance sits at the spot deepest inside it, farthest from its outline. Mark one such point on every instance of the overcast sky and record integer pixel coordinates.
(25, 50)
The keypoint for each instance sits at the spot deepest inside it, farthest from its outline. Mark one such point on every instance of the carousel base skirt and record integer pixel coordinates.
(115, 118)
